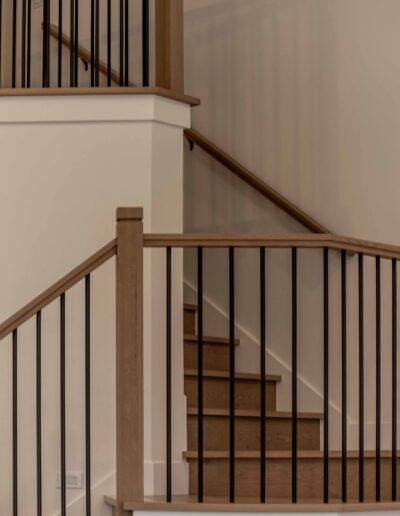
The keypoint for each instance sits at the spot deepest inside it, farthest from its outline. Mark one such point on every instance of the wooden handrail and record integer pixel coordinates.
(254, 181)
(222, 157)
(307, 241)
(64, 284)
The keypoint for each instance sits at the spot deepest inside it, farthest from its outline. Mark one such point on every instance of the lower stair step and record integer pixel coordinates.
(216, 390)
(247, 430)
(279, 474)
(215, 352)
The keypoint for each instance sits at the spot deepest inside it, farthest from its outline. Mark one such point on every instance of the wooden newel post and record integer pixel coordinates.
(129, 356)
(169, 44)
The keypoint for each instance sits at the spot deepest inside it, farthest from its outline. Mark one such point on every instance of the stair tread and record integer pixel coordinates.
(190, 307)
(238, 376)
(209, 340)
(285, 454)
(254, 413)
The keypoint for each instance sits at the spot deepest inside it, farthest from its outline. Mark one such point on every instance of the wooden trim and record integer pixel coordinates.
(306, 241)
(218, 412)
(238, 376)
(120, 90)
(285, 454)
(129, 357)
(58, 288)
(255, 182)
(221, 341)
(169, 44)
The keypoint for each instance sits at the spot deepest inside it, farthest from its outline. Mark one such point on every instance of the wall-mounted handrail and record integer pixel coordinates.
(62, 285)
(290, 240)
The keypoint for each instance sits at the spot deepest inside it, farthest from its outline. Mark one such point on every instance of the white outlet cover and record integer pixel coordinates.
(73, 480)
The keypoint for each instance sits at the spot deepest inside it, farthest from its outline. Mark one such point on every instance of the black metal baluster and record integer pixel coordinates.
(44, 44)
(88, 459)
(60, 29)
(76, 56)
(72, 44)
(294, 375)
(145, 42)
(97, 43)
(29, 45)
(39, 413)
(126, 42)
(169, 377)
(394, 380)
(62, 405)
(231, 375)
(14, 45)
(109, 64)
(361, 374)
(326, 375)
(262, 376)
(121, 42)
(1, 40)
(23, 45)
(15, 420)
(344, 377)
(92, 43)
(48, 67)
(200, 371)
(378, 382)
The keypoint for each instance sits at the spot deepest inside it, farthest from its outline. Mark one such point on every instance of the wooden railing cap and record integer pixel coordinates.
(129, 214)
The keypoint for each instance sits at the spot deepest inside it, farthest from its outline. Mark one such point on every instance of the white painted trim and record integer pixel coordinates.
(95, 108)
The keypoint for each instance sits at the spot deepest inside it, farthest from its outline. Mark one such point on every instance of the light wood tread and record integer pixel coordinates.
(285, 454)
(188, 503)
(189, 307)
(238, 376)
(210, 340)
(254, 413)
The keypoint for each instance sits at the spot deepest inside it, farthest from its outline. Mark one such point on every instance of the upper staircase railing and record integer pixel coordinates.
(129, 248)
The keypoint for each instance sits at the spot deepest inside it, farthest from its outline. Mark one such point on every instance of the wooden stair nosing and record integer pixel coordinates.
(238, 376)
(285, 454)
(189, 307)
(209, 340)
(272, 414)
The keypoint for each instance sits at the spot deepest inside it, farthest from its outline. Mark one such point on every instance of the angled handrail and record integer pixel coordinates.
(222, 157)
(62, 285)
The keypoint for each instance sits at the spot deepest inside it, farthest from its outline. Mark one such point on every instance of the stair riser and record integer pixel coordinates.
(216, 393)
(247, 433)
(215, 356)
(278, 478)
(189, 322)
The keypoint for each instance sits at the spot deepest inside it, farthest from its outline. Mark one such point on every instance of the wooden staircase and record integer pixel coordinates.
(247, 436)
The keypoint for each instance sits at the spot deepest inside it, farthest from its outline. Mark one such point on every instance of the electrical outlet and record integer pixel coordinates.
(37, 4)
(73, 480)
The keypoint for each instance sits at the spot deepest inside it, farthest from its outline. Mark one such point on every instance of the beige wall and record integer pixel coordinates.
(305, 94)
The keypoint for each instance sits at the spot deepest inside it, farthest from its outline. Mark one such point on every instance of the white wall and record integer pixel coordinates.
(303, 93)
(67, 163)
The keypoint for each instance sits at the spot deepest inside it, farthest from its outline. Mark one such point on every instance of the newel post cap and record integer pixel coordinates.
(129, 214)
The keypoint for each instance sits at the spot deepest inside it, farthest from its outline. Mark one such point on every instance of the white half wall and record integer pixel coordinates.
(67, 163)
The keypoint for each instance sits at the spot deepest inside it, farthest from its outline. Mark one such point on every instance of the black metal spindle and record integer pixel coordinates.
(294, 375)
(76, 56)
(60, 29)
(121, 42)
(109, 50)
(62, 406)
(48, 67)
(262, 376)
(1, 40)
(14, 45)
(88, 460)
(231, 375)
(44, 45)
(145, 42)
(361, 374)
(92, 43)
(29, 45)
(378, 382)
(394, 380)
(344, 376)
(326, 375)
(126, 43)
(15, 419)
(97, 44)
(39, 414)
(169, 377)
(200, 446)
(23, 44)
(72, 44)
